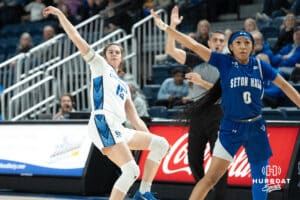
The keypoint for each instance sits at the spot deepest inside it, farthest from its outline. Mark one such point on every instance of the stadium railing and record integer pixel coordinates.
(70, 74)
(50, 51)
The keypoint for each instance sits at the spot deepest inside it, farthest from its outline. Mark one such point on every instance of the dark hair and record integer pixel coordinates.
(215, 32)
(178, 70)
(210, 97)
(67, 95)
(237, 34)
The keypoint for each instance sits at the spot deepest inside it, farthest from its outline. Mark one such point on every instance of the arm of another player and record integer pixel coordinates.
(288, 89)
(178, 54)
(185, 40)
(196, 79)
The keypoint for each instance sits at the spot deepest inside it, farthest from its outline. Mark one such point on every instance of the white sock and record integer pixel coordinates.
(145, 187)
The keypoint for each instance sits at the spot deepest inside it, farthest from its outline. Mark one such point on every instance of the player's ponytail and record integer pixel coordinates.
(210, 97)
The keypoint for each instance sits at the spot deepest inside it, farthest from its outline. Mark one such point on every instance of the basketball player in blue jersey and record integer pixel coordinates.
(111, 104)
(242, 125)
(204, 124)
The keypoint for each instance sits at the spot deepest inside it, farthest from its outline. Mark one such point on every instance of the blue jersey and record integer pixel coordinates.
(242, 85)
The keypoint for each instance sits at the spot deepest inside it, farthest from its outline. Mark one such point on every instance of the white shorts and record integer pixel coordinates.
(220, 152)
(105, 131)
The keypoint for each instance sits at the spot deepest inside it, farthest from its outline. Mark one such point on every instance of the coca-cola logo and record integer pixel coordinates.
(176, 161)
(175, 166)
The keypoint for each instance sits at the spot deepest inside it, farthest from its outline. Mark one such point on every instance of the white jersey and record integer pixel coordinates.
(108, 91)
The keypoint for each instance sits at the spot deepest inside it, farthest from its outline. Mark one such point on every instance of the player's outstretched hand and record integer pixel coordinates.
(175, 18)
(51, 10)
(159, 23)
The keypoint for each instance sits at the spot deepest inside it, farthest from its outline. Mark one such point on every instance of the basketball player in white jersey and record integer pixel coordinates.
(111, 104)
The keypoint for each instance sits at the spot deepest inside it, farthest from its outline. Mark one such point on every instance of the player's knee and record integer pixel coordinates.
(211, 180)
(130, 172)
(158, 147)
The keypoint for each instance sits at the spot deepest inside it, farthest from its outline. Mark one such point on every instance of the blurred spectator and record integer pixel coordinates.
(288, 56)
(173, 91)
(127, 77)
(273, 96)
(87, 9)
(156, 4)
(294, 9)
(60, 4)
(147, 6)
(202, 33)
(119, 14)
(295, 76)
(25, 43)
(10, 11)
(72, 5)
(139, 101)
(270, 7)
(260, 46)
(286, 32)
(48, 32)
(250, 25)
(66, 103)
(35, 9)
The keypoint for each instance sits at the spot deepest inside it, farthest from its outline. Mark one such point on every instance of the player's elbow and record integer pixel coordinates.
(169, 50)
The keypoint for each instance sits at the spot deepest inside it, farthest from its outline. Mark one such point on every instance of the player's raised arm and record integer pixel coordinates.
(183, 39)
(73, 34)
(178, 54)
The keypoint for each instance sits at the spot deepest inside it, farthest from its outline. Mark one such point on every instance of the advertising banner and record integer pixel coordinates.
(43, 149)
(175, 168)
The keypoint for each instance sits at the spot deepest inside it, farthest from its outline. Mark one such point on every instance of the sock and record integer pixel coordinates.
(145, 187)
(259, 186)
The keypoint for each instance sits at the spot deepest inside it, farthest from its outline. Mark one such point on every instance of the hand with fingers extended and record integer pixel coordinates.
(159, 23)
(175, 19)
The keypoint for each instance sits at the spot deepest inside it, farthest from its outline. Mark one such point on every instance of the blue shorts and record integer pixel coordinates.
(252, 135)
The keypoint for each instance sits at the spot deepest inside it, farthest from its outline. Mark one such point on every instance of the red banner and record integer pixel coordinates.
(175, 168)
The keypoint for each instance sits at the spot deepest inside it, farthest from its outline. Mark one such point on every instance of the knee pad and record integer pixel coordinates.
(158, 148)
(130, 172)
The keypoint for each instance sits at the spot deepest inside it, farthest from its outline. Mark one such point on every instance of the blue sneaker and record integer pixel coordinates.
(145, 196)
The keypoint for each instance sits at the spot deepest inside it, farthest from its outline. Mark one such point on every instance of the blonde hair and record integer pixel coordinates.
(252, 22)
(25, 35)
(203, 22)
(289, 16)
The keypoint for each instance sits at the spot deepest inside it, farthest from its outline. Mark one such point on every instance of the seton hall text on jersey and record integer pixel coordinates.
(244, 82)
